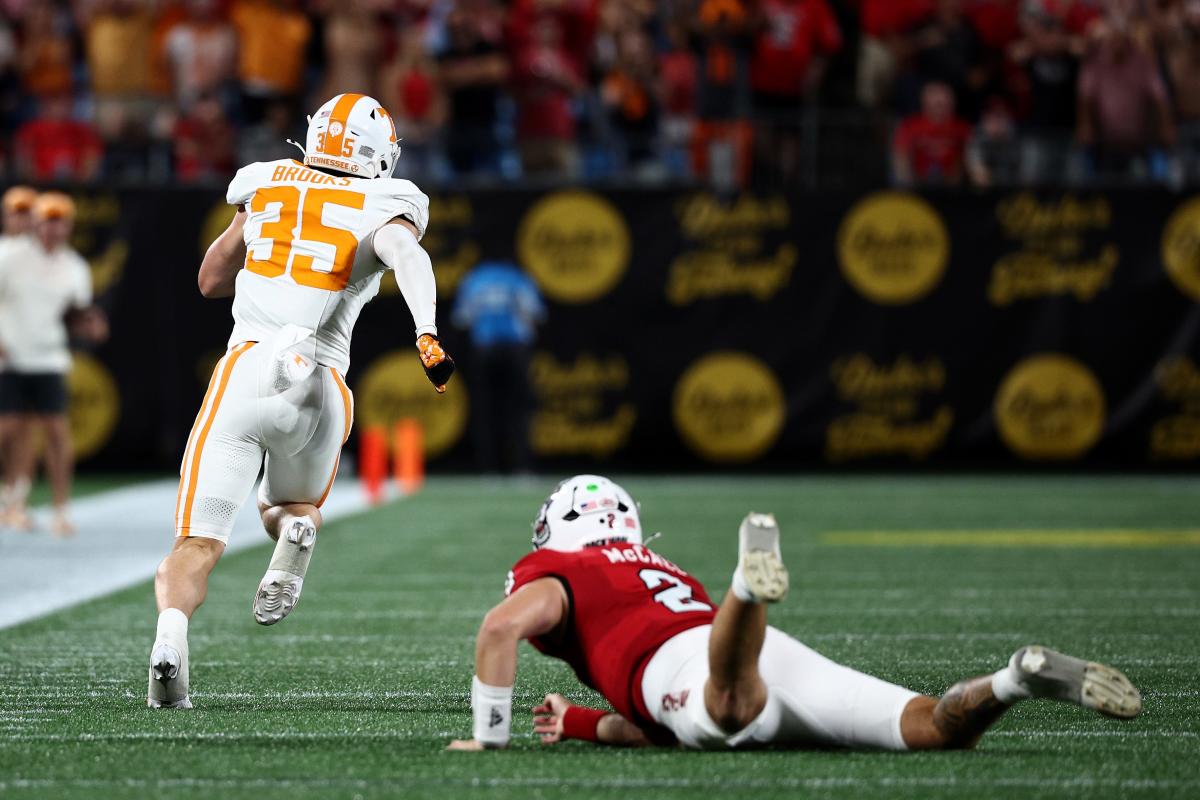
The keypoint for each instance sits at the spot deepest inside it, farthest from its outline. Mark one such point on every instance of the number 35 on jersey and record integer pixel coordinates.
(319, 254)
(306, 227)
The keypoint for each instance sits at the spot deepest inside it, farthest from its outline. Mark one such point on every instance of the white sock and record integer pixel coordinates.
(172, 627)
(286, 520)
(288, 557)
(740, 590)
(1007, 688)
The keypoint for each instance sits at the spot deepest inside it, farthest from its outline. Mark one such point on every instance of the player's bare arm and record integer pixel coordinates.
(397, 246)
(224, 258)
(537, 609)
(405, 223)
(557, 718)
(534, 610)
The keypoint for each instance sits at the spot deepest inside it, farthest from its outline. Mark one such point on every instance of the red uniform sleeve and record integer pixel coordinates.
(538, 564)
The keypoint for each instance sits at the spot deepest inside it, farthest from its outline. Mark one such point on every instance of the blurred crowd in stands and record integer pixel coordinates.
(728, 91)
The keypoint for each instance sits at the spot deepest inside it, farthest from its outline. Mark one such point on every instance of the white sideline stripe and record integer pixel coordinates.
(123, 534)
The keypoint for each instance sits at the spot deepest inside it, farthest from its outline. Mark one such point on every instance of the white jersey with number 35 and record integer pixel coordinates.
(310, 260)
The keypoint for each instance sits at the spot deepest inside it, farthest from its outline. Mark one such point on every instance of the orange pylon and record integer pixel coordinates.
(372, 462)
(409, 450)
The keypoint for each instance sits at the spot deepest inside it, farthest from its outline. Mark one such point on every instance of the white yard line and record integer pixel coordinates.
(620, 783)
(123, 534)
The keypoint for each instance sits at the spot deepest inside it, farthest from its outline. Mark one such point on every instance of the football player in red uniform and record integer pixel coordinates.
(677, 669)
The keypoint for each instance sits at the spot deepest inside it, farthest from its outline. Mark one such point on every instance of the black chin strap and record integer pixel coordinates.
(335, 173)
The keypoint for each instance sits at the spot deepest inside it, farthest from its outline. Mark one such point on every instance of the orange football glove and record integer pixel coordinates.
(438, 364)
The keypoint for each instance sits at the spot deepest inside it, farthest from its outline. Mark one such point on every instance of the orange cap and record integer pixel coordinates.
(19, 198)
(54, 205)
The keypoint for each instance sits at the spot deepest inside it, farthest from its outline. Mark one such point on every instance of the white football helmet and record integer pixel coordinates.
(586, 510)
(354, 134)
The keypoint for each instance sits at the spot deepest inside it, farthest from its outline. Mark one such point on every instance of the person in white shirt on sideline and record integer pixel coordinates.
(16, 218)
(45, 286)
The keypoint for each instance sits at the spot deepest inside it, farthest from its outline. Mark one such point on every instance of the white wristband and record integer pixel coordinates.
(492, 707)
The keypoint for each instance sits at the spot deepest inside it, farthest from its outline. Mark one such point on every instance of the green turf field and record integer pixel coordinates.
(356, 694)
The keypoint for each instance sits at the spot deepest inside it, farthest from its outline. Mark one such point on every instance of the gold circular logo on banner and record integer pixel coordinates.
(395, 387)
(1181, 248)
(575, 245)
(95, 405)
(893, 248)
(215, 223)
(1050, 407)
(729, 406)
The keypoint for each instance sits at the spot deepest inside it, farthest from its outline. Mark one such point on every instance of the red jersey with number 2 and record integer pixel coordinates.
(626, 601)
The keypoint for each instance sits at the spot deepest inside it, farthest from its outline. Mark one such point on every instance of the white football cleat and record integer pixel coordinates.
(1048, 673)
(279, 590)
(759, 560)
(168, 677)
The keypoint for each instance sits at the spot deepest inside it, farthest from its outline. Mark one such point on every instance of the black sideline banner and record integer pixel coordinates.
(690, 332)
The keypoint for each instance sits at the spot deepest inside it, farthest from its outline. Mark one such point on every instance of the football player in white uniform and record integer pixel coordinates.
(306, 250)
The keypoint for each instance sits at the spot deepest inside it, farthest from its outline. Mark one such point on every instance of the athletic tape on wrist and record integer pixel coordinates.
(492, 708)
(582, 723)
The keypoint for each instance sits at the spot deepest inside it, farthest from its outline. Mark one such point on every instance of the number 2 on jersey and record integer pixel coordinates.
(312, 229)
(677, 596)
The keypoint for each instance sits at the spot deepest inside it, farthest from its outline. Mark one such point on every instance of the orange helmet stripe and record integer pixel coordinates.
(383, 112)
(341, 113)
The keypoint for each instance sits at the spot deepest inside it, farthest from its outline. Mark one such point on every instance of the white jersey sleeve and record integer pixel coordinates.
(245, 183)
(389, 198)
